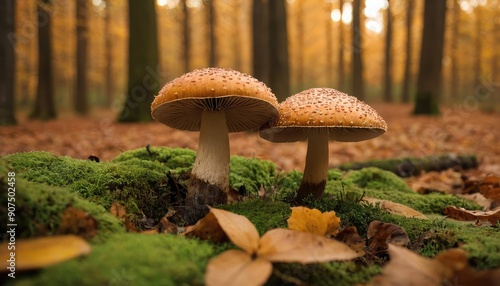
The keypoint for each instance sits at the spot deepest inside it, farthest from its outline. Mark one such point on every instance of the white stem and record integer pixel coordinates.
(316, 169)
(212, 158)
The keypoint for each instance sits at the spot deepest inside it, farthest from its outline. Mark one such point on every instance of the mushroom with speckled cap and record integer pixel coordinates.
(214, 101)
(319, 115)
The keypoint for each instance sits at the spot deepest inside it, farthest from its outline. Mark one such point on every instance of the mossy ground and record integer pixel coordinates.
(138, 179)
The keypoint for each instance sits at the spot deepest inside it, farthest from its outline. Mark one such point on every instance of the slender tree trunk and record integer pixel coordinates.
(478, 48)
(7, 62)
(340, 67)
(300, 43)
(329, 45)
(108, 35)
(279, 74)
(454, 50)
(237, 35)
(211, 34)
(144, 73)
(357, 63)
(186, 30)
(260, 43)
(388, 55)
(431, 55)
(405, 96)
(44, 104)
(495, 68)
(80, 102)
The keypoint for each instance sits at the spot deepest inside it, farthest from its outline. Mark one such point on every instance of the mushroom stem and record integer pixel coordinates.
(316, 169)
(209, 181)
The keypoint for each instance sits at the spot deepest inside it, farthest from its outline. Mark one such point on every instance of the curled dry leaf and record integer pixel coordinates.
(166, 226)
(380, 234)
(120, 212)
(448, 182)
(448, 268)
(462, 214)
(236, 267)
(41, 252)
(395, 208)
(313, 221)
(207, 228)
(351, 238)
(478, 199)
(284, 245)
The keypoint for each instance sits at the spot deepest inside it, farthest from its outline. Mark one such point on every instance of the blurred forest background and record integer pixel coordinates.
(82, 55)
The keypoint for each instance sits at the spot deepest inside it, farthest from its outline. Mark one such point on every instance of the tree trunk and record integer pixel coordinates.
(431, 55)
(44, 104)
(80, 102)
(300, 43)
(477, 47)
(279, 74)
(495, 62)
(357, 64)
(108, 35)
(388, 55)
(260, 43)
(211, 34)
(329, 45)
(405, 94)
(7, 62)
(340, 67)
(237, 35)
(454, 50)
(186, 37)
(144, 75)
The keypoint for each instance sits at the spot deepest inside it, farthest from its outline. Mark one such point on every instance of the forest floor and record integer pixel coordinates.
(457, 130)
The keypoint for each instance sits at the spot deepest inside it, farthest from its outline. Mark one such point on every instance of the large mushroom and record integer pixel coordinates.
(214, 101)
(319, 115)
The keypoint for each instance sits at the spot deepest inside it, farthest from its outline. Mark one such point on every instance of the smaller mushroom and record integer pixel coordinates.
(319, 115)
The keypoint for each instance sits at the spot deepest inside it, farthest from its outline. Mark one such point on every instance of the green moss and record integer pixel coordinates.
(265, 215)
(39, 208)
(377, 179)
(251, 174)
(133, 259)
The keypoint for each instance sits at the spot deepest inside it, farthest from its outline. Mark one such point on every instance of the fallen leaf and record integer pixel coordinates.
(166, 226)
(120, 212)
(207, 228)
(479, 199)
(351, 238)
(447, 268)
(78, 222)
(380, 234)
(238, 228)
(313, 221)
(236, 267)
(284, 245)
(395, 208)
(462, 214)
(409, 268)
(448, 181)
(41, 252)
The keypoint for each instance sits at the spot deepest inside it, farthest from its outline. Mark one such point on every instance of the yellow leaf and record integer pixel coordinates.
(395, 208)
(239, 229)
(235, 267)
(284, 245)
(313, 221)
(42, 252)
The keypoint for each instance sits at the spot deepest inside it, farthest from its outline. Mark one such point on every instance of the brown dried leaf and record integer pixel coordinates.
(478, 199)
(447, 268)
(462, 214)
(351, 238)
(380, 234)
(120, 212)
(409, 268)
(448, 182)
(207, 228)
(236, 267)
(239, 229)
(166, 226)
(395, 208)
(284, 245)
(42, 252)
(77, 222)
(313, 221)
